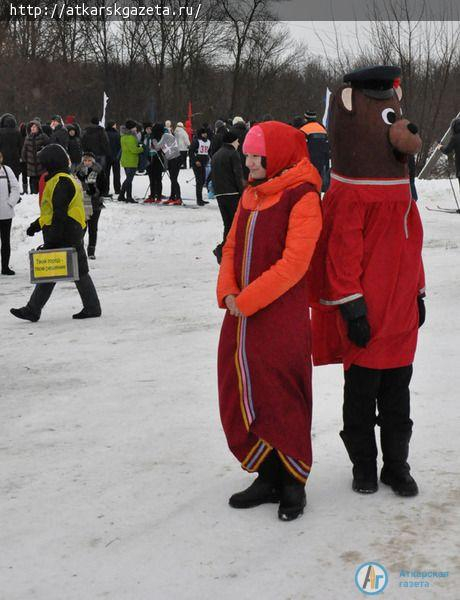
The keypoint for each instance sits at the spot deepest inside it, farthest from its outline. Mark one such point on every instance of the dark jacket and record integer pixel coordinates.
(74, 149)
(32, 146)
(10, 143)
(63, 231)
(114, 143)
(217, 140)
(240, 129)
(454, 145)
(60, 136)
(93, 182)
(95, 140)
(227, 173)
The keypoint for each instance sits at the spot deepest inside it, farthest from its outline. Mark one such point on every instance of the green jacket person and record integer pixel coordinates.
(62, 221)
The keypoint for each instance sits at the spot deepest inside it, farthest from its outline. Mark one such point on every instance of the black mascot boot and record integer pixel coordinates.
(396, 471)
(363, 455)
(264, 490)
(293, 497)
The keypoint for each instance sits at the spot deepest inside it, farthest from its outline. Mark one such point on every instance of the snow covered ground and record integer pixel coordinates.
(115, 473)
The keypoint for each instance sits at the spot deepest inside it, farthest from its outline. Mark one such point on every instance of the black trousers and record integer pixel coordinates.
(34, 184)
(5, 235)
(85, 287)
(365, 391)
(200, 177)
(183, 155)
(227, 206)
(173, 170)
(126, 189)
(113, 165)
(155, 173)
(92, 228)
(24, 176)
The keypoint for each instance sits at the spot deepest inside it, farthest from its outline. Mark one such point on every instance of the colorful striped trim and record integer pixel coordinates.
(256, 456)
(296, 468)
(241, 360)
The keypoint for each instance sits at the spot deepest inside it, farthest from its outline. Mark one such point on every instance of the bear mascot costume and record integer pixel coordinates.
(367, 275)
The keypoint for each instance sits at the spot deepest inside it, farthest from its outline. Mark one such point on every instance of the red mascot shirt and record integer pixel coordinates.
(371, 247)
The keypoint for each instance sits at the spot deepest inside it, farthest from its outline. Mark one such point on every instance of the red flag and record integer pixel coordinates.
(188, 122)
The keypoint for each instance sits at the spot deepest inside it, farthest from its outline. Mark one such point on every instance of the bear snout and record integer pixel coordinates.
(404, 137)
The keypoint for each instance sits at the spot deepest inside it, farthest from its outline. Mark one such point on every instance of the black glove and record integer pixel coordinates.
(421, 310)
(354, 313)
(359, 331)
(33, 228)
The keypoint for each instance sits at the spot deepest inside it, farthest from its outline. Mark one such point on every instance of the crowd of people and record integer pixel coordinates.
(97, 154)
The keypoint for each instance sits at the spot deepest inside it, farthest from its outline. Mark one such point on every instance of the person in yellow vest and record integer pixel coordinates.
(62, 221)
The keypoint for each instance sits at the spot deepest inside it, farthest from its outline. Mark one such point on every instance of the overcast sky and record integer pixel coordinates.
(311, 32)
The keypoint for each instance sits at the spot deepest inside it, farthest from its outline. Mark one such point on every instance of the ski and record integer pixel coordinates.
(452, 211)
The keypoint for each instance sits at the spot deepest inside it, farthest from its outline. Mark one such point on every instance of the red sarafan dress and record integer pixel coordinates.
(264, 359)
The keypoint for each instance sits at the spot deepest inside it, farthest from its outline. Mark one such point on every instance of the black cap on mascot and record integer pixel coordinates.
(54, 158)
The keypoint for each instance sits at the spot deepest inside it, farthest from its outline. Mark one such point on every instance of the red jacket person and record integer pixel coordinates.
(264, 362)
(368, 274)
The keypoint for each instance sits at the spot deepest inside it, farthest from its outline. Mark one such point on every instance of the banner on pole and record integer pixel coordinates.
(104, 106)
(327, 101)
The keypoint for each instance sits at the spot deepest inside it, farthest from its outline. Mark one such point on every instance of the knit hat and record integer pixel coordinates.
(179, 124)
(219, 123)
(95, 121)
(130, 124)
(89, 154)
(310, 114)
(229, 136)
(237, 120)
(254, 142)
(56, 118)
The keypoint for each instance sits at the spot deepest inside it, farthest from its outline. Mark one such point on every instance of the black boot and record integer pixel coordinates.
(25, 313)
(396, 471)
(264, 490)
(8, 271)
(218, 253)
(92, 252)
(293, 497)
(86, 314)
(363, 454)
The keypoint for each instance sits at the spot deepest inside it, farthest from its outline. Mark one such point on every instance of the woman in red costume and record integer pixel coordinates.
(264, 363)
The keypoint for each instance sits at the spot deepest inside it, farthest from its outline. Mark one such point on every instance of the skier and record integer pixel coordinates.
(454, 146)
(183, 141)
(9, 197)
(164, 141)
(62, 221)
(264, 365)
(367, 274)
(155, 165)
(199, 158)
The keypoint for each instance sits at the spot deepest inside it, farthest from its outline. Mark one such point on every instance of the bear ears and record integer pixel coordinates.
(345, 97)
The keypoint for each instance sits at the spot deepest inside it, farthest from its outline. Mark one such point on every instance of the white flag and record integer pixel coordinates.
(104, 106)
(326, 108)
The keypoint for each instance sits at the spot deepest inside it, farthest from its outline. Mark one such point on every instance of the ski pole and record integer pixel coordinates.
(453, 191)
(189, 180)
